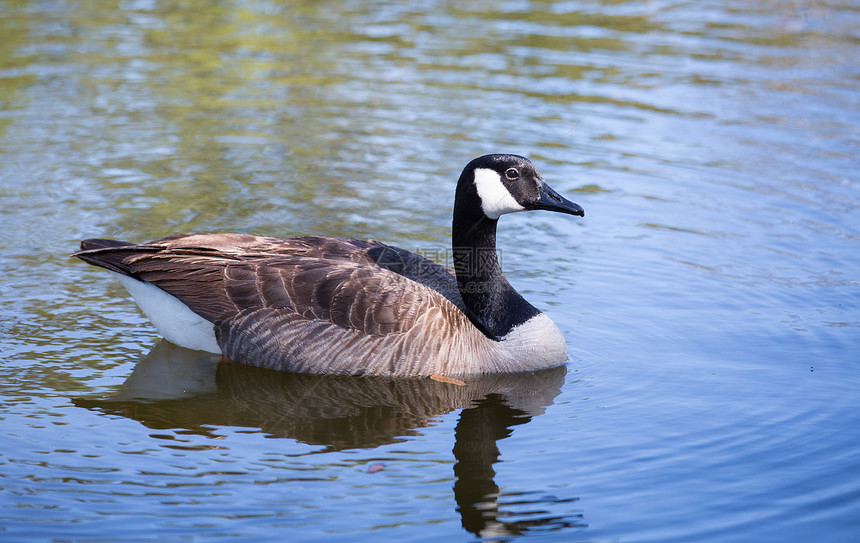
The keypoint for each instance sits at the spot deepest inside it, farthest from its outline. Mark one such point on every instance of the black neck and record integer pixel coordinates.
(492, 304)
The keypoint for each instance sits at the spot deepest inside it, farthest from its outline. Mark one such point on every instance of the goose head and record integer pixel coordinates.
(500, 184)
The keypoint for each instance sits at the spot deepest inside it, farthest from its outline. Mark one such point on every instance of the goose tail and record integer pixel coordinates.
(102, 253)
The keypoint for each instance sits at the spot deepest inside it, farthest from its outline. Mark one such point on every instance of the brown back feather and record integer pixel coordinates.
(335, 280)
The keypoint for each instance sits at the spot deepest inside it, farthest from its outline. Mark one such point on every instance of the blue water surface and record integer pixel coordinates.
(710, 297)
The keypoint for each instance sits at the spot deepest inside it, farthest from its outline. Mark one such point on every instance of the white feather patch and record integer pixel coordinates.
(495, 198)
(173, 320)
(536, 343)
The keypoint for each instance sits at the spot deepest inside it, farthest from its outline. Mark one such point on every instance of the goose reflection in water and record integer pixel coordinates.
(172, 388)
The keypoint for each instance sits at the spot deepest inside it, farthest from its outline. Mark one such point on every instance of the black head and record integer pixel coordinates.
(511, 183)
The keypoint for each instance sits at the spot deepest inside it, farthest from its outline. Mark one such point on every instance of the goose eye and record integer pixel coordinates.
(512, 173)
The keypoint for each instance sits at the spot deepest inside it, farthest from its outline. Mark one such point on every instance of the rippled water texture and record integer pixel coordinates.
(710, 297)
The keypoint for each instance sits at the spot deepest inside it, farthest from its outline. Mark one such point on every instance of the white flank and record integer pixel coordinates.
(495, 198)
(173, 320)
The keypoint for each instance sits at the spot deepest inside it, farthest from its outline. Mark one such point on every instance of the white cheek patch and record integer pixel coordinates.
(495, 198)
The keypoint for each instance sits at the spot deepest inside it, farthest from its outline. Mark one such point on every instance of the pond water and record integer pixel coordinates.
(710, 297)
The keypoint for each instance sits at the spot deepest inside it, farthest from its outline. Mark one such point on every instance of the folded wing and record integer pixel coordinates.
(302, 304)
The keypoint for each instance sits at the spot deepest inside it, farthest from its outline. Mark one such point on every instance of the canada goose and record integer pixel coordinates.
(343, 306)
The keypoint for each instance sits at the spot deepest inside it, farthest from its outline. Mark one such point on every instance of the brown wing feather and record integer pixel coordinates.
(312, 304)
(331, 279)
